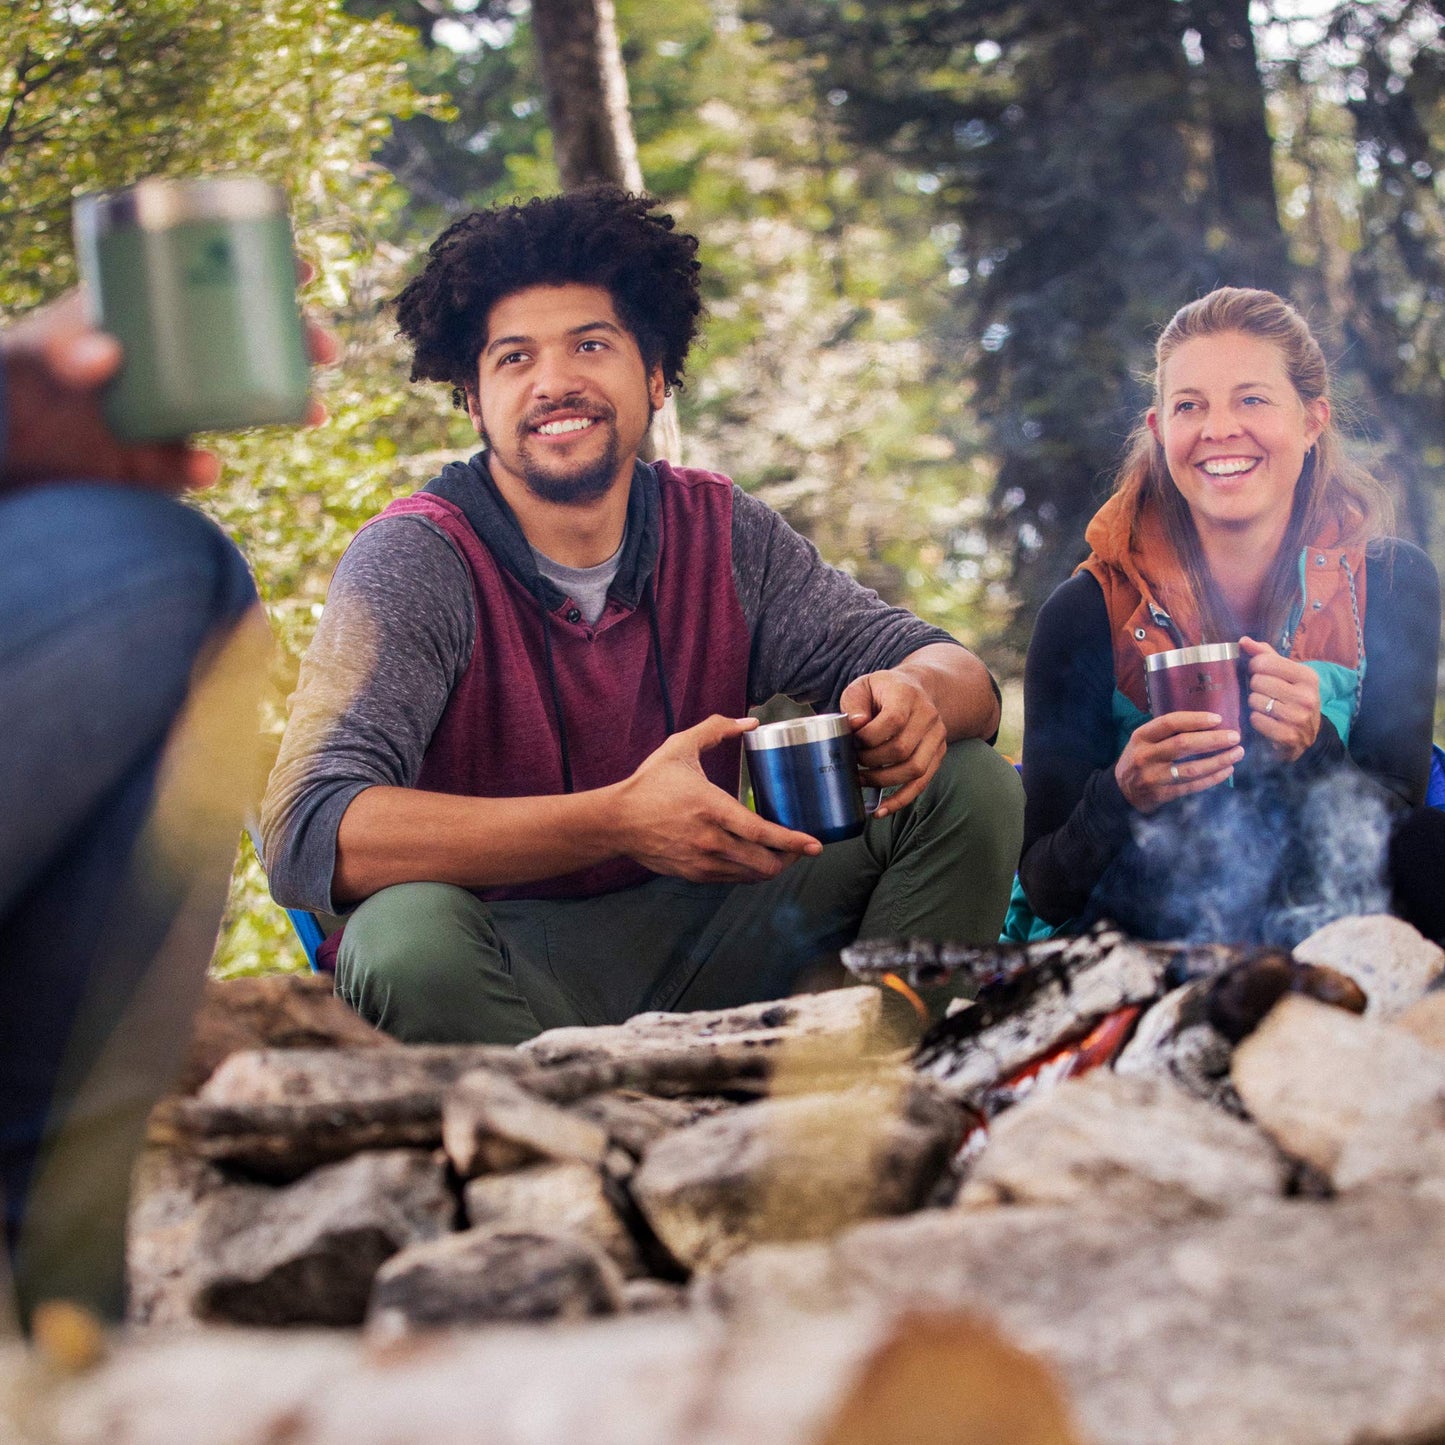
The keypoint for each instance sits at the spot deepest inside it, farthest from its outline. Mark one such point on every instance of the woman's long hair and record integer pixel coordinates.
(1331, 487)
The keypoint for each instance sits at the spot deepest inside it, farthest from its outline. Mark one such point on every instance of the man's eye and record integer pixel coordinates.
(592, 344)
(511, 357)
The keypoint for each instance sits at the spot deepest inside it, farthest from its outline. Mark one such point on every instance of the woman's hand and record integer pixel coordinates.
(1149, 769)
(1284, 700)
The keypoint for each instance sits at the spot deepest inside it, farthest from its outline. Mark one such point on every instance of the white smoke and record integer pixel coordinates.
(1268, 864)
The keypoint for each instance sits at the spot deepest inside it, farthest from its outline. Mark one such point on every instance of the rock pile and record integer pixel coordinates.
(1233, 1235)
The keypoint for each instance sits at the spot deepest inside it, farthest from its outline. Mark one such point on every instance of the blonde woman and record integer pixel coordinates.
(1236, 517)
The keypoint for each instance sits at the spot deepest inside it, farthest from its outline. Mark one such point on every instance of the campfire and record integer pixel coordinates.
(1205, 1186)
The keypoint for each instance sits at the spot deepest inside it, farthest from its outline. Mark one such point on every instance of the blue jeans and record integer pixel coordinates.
(113, 602)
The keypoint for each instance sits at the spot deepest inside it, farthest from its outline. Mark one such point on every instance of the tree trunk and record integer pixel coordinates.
(1244, 191)
(585, 84)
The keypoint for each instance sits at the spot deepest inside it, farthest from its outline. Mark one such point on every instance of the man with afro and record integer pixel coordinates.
(513, 756)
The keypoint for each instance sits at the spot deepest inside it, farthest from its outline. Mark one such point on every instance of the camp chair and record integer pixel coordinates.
(310, 928)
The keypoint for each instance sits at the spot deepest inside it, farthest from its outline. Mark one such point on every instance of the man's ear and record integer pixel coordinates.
(474, 410)
(656, 388)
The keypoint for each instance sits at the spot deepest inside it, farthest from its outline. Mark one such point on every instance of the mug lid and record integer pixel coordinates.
(1185, 656)
(155, 204)
(790, 731)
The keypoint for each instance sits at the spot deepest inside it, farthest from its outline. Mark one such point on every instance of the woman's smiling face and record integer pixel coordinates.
(1235, 431)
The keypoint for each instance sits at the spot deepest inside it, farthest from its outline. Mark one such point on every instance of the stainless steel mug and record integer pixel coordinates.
(805, 776)
(197, 280)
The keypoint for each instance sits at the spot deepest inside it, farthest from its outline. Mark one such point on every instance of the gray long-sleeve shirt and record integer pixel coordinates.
(397, 635)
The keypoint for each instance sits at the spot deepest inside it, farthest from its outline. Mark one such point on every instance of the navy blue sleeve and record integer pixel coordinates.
(1075, 818)
(1391, 736)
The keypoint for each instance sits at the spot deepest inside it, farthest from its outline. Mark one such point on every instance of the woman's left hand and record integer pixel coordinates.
(1284, 700)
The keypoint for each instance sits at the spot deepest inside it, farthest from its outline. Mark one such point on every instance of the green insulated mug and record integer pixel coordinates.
(197, 281)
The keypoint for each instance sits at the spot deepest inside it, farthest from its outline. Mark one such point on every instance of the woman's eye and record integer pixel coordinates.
(1183, 406)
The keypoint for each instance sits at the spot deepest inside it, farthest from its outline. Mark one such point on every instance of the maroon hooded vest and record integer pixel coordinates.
(550, 703)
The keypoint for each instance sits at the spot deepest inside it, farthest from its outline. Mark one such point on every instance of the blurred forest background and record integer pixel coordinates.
(939, 238)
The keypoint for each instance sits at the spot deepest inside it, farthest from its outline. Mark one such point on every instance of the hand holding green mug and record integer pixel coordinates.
(197, 281)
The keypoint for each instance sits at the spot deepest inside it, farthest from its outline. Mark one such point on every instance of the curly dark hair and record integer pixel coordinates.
(601, 236)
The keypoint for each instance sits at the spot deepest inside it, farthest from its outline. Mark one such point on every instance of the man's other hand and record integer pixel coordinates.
(674, 821)
(899, 733)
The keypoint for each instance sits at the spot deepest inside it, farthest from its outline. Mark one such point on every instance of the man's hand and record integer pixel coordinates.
(672, 820)
(899, 732)
(55, 363)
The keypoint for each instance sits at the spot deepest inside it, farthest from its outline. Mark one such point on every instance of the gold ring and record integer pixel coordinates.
(1269, 707)
(1174, 771)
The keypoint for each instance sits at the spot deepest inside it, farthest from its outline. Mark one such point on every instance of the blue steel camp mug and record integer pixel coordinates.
(197, 281)
(805, 776)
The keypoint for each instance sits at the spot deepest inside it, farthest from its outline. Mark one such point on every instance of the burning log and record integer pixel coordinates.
(1054, 1009)
(1040, 998)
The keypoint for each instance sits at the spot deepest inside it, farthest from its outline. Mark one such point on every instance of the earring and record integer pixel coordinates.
(667, 391)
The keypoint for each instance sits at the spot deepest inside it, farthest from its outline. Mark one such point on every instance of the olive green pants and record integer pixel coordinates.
(430, 962)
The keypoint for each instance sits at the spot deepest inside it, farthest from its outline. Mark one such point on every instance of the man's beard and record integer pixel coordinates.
(590, 481)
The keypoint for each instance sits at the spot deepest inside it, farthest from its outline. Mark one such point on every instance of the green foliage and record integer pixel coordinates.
(297, 91)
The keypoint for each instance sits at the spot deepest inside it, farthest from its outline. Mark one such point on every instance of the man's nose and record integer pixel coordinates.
(555, 375)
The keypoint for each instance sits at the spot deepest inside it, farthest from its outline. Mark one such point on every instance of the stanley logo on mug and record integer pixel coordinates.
(211, 263)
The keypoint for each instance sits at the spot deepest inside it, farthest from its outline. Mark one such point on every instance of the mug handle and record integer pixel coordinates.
(871, 799)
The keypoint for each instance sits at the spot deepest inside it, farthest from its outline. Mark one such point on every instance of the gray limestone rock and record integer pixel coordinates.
(1389, 959)
(1288, 1322)
(482, 1276)
(490, 1123)
(306, 1253)
(278, 1113)
(634, 1120)
(1359, 1101)
(795, 1168)
(1425, 1020)
(727, 1049)
(1140, 1144)
(168, 1189)
(281, 1011)
(569, 1199)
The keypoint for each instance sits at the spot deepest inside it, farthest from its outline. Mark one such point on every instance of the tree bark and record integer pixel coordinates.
(1245, 197)
(586, 89)
(585, 84)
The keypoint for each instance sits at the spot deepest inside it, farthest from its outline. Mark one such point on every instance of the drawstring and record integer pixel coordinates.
(1359, 635)
(667, 713)
(657, 658)
(556, 701)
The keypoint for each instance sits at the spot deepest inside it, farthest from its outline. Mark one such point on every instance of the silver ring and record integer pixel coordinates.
(1174, 771)
(1269, 707)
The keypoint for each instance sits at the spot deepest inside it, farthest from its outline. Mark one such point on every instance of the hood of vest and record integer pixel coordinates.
(469, 487)
(1151, 608)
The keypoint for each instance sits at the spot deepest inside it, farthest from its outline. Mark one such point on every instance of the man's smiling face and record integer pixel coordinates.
(563, 396)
